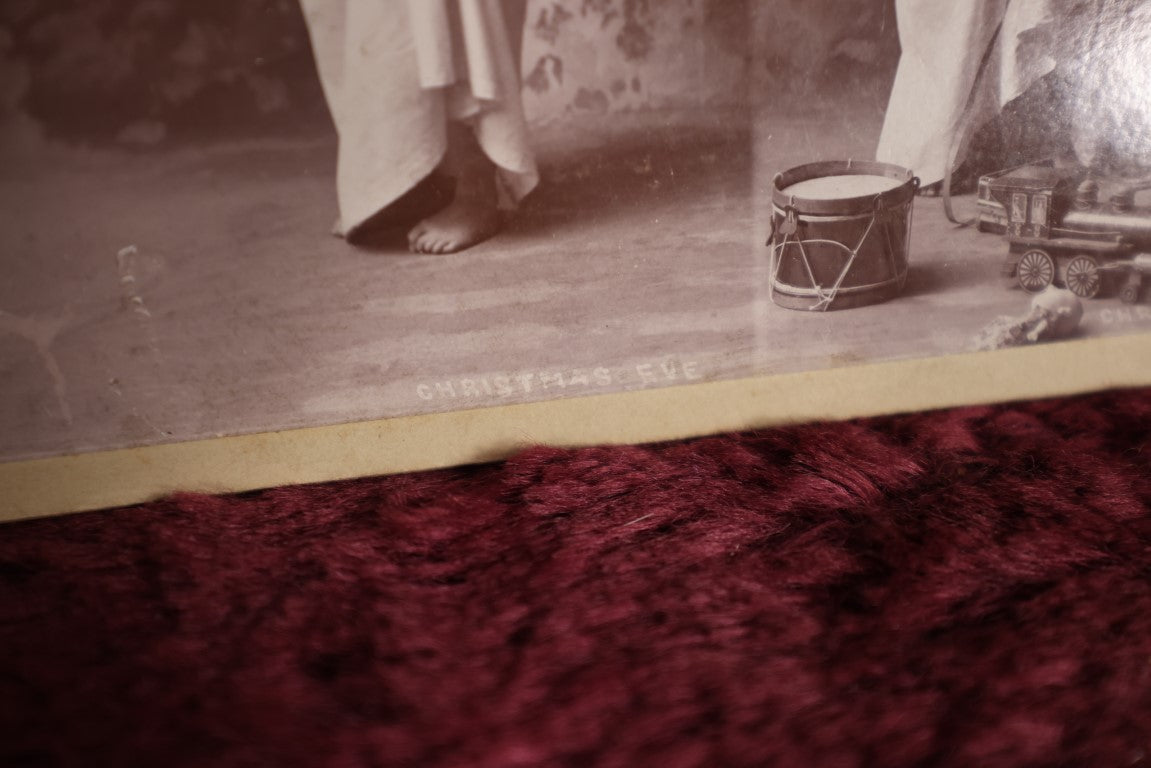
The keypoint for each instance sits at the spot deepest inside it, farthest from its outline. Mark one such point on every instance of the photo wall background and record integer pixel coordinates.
(150, 73)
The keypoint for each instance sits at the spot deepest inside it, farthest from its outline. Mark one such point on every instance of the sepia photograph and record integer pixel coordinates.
(258, 216)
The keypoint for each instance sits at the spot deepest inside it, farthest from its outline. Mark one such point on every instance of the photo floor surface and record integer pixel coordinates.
(183, 294)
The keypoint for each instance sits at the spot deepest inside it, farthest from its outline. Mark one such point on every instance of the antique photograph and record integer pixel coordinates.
(255, 216)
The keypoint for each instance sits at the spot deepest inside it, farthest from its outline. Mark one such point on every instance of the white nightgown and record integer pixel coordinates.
(394, 72)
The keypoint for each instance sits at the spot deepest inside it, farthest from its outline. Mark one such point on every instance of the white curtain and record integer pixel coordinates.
(943, 43)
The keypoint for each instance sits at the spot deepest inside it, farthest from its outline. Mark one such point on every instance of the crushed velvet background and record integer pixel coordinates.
(967, 587)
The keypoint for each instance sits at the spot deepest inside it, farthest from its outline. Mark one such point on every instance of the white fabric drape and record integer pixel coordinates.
(942, 45)
(394, 72)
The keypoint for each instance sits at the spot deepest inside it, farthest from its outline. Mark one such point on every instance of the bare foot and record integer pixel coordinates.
(473, 215)
(465, 222)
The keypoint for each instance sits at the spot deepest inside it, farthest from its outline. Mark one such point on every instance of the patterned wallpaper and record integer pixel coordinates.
(143, 70)
(608, 55)
(611, 55)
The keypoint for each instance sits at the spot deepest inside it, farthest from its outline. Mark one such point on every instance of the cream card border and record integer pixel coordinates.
(83, 482)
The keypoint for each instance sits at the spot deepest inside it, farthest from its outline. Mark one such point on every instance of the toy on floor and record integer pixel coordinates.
(1059, 232)
(839, 234)
(1055, 314)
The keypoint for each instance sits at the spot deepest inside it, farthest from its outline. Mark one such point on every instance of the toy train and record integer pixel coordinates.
(1060, 233)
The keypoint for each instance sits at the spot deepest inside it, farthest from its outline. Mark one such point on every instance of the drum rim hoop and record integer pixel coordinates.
(803, 292)
(860, 204)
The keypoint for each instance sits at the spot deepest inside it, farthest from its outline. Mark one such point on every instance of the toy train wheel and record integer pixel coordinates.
(1035, 271)
(1129, 293)
(1082, 277)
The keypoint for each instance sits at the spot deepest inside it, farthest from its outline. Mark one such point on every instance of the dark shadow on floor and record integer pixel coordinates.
(607, 177)
(925, 279)
(630, 173)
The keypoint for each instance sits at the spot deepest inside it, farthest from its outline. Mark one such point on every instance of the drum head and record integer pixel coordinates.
(843, 187)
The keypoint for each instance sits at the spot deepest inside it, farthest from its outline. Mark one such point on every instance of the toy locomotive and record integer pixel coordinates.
(1059, 231)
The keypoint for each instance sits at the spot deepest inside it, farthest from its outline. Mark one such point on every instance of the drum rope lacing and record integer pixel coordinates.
(789, 228)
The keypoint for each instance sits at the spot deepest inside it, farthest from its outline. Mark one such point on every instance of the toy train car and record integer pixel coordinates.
(1060, 233)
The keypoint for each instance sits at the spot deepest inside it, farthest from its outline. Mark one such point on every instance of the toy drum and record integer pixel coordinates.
(839, 234)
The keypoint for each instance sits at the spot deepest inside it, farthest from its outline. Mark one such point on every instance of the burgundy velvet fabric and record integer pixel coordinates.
(961, 588)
